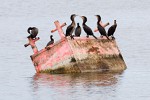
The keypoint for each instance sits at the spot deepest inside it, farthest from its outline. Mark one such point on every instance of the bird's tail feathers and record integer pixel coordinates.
(107, 37)
(94, 36)
(29, 36)
(26, 45)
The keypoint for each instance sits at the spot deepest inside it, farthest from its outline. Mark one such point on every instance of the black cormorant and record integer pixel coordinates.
(87, 29)
(100, 28)
(33, 31)
(50, 42)
(78, 30)
(71, 27)
(112, 29)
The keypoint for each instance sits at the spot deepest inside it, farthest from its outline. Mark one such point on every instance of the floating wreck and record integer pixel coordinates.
(81, 54)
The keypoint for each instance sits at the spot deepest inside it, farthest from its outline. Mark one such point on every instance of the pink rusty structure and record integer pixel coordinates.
(78, 55)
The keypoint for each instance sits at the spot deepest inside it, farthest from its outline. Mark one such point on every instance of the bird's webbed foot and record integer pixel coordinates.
(101, 36)
(113, 38)
(47, 48)
(72, 37)
(36, 38)
(87, 36)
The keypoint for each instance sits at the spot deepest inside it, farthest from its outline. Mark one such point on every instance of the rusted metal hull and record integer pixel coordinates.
(80, 55)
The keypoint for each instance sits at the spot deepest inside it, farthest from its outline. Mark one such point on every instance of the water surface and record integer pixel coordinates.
(18, 79)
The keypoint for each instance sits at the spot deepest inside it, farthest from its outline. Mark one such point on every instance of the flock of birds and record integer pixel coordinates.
(33, 31)
(87, 29)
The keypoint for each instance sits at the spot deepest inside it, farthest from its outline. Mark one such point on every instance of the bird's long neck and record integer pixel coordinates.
(73, 21)
(115, 23)
(52, 39)
(84, 21)
(98, 21)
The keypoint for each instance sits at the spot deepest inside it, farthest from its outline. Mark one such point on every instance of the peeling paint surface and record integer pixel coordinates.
(80, 55)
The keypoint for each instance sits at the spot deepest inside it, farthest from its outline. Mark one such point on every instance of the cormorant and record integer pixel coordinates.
(50, 42)
(71, 27)
(78, 30)
(100, 28)
(33, 31)
(87, 29)
(112, 29)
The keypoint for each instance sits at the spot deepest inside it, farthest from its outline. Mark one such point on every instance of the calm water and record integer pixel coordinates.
(18, 79)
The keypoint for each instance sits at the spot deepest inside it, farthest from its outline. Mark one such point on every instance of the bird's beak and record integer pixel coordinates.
(95, 15)
(81, 17)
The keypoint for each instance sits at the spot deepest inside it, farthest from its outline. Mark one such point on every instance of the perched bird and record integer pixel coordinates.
(112, 29)
(100, 28)
(33, 31)
(87, 29)
(71, 27)
(78, 30)
(51, 41)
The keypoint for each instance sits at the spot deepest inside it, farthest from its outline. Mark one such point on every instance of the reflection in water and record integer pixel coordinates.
(93, 84)
(73, 79)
